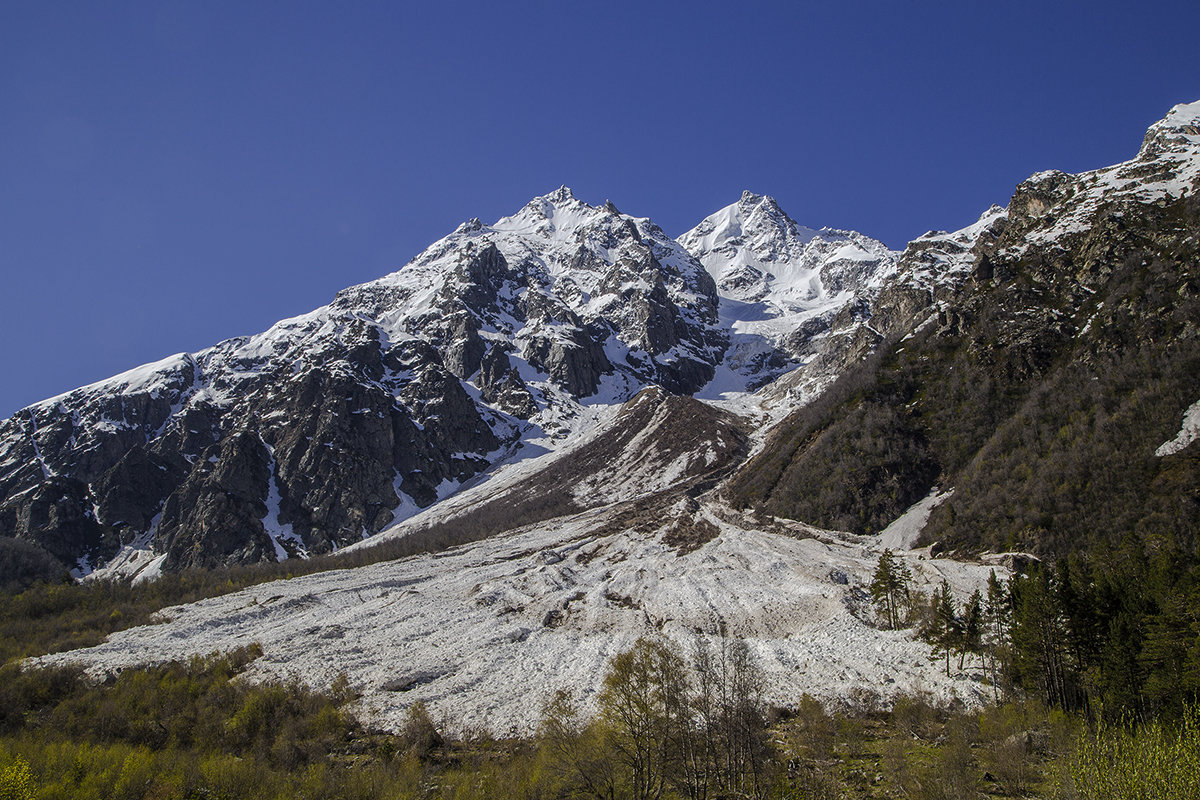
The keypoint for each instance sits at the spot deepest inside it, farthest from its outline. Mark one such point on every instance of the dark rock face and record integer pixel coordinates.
(501, 385)
(335, 441)
(79, 485)
(137, 484)
(215, 517)
(56, 512)
(334, 458)
(573, 361)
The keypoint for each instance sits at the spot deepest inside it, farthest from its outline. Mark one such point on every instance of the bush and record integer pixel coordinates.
(16, 781)
(1153, 762)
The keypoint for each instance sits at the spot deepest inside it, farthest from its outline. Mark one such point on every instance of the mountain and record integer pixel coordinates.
(1028, 382)
(330, 426)
(862, 380)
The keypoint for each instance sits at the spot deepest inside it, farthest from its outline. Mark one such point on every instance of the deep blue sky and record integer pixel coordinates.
(173, 174)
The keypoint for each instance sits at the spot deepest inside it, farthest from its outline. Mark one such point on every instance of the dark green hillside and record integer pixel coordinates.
(1040, 395)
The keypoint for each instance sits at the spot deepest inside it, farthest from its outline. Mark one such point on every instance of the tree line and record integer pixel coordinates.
(1105, 638)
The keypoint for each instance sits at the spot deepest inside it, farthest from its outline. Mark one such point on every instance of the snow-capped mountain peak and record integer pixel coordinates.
(1179, 129)
(752, 232)
(558, 211)
(781, 283)
(762, 220)
(492, 366)
(756, 252)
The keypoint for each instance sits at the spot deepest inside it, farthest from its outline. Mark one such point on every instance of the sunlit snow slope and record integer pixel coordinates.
(781, 285)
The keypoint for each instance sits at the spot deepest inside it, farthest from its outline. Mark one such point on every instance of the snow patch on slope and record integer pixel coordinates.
(904, 531)
(279, 532)
(1189, 433)
(135, 561)
(147, 378)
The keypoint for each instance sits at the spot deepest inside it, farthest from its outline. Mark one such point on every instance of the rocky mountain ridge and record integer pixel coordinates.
(1041, 385)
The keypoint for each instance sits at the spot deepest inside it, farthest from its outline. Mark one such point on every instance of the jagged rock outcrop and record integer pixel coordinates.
(501, 385)
(215, 517)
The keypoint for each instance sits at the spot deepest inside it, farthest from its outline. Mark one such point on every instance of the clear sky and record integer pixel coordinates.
(176, 173)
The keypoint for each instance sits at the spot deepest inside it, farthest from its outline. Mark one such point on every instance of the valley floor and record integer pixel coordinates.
(194, 731)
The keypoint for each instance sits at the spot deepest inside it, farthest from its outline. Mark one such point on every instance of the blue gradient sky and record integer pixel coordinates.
(173, 174)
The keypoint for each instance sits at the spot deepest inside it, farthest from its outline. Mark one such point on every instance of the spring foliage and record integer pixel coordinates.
(1157, 761)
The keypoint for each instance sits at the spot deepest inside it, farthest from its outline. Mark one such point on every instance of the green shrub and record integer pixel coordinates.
(1152, 762)
(16, 781)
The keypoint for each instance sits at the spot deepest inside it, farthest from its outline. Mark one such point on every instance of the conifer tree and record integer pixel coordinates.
(998, 616)
(1039, 636)
(972, 628)
(889, 587)
(943, 630)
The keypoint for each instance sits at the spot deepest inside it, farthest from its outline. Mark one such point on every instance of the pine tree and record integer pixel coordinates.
(890, 587)
(1074, 597)
(881, 586)
(1039, 639)
(903, 597)
(972, 628)
(998, 610)
(943, 630)
(998, 618)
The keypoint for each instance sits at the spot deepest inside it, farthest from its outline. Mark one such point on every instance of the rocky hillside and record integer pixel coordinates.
(1043, 382)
